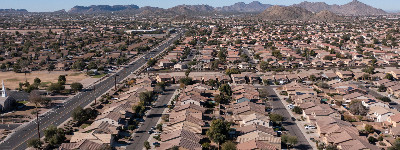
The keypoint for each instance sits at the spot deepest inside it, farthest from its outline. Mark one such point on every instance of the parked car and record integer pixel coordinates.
(290, 106)
(310, 127)
(293, 119)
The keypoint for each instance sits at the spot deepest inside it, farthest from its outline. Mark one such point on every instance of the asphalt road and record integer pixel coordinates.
(18, 140)
(151, 120)
(289, 125)
(393, 104)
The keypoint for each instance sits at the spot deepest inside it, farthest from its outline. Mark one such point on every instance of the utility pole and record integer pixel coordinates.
(37, 121)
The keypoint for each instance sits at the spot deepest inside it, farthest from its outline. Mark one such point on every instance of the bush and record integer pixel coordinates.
(297, 110)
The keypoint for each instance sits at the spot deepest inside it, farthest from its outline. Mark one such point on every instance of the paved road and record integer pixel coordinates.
(394, 104)
(154, 115)
(18, 140)
(289, 125)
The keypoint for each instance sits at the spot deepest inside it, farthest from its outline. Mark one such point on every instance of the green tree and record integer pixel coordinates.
(186, 81)
(146, 97)
(389, 76)
(223, 99)
(228, 145)
(82, 115)
(37, 81)
(232, 71)
(54, 136)
(147, 145)
(62, 79)
(225, 89)
(264, 65)
(76, 86)
(369, 70)
(55, 87)
(382, 88)
(275, 118)
(218, 131)
(35, 143)
(297, 110)
(289, 140)
(187, 72)
(372, 140)
(369, 128)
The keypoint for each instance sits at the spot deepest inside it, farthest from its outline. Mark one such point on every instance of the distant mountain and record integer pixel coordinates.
(13, 10)
(254, 6)
(354, 8)
(192, 9)
(102, 8)
(297, 13)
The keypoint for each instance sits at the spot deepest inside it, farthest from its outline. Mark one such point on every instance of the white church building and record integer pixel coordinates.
(7, 103)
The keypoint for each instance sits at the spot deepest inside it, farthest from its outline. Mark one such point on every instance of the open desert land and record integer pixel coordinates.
(12, 79)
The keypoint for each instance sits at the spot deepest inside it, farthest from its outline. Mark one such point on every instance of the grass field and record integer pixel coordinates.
(12, 79)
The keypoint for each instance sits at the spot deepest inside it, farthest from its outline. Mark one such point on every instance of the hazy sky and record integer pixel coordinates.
(53, 5)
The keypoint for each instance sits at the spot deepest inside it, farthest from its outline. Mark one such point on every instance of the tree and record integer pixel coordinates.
(37, 81)
(382, 88)
(369, 128)
(139, 109)
(146, 97)
(151, 62)
(76, 86)
(331, 147)
(232, 71)
(228, 145)
(35, 143)
(264, 65)
(146, 145)
(275, 118)
(81, 115)
(159, 127)
(62, 79)
(289, 140)
(370, 70)
(225, 89)
(186, 81)
(356, 108)
(55, 87)
(218, 131)
(187, 72)
(389, 76)
(385, 99)
(223, 99)
(54, 136)
(297, 110)
(372, 140)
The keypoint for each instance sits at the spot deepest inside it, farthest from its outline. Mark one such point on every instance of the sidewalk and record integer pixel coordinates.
(300, 124)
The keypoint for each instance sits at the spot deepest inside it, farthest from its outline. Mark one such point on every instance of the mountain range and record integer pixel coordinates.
(297, 13)
(354, 8)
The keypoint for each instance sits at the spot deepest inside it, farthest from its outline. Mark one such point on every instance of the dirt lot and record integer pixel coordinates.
(12, 79)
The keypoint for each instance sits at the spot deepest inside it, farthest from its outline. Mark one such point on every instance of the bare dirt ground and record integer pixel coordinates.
(12, 79)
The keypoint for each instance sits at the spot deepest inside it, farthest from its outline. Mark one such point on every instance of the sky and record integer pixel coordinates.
(53, 5)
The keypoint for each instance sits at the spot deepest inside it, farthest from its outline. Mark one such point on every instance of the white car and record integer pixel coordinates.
(310, 127)
(290, 106)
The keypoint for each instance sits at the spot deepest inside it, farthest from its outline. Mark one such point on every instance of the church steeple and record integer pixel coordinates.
(3, 90)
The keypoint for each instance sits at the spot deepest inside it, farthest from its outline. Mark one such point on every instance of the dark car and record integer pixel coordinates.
(293, 119)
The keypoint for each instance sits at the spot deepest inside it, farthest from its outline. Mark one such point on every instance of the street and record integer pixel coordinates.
(290, 125)
(18, 139)
(151, 120)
